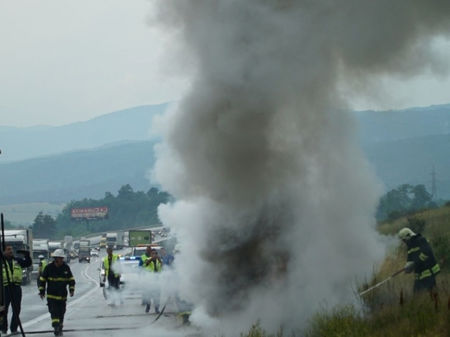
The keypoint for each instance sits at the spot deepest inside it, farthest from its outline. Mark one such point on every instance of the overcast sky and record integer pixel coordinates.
(64, 61)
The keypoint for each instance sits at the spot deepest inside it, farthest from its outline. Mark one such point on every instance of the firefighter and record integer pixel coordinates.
(12, 281)
(57, 276)
(152, 263)
(108, 264)
(420, 259)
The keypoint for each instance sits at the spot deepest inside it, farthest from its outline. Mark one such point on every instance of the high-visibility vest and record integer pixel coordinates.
(42, 266)
(15, 277)
(151, 265)
(114, 258)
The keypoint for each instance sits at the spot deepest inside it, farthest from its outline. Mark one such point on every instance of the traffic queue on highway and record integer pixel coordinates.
(122, 272)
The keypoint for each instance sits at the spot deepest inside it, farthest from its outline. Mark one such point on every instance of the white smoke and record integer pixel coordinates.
(275, 198)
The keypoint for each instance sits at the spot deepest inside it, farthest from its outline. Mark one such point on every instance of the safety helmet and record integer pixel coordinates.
(58, 253)
(41, 257)
(405, 234)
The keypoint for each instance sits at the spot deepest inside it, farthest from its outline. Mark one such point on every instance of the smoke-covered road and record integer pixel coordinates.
(88, 313)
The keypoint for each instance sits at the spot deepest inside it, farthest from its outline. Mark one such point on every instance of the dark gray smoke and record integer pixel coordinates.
(276, 201)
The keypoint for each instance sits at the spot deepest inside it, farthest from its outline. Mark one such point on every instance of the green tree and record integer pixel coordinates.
(44, 226)
(126, 210)
(403, 200)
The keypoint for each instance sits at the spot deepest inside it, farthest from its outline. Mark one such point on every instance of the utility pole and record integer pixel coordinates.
(433, 184)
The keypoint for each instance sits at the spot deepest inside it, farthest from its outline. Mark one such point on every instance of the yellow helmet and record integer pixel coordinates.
(405, 234)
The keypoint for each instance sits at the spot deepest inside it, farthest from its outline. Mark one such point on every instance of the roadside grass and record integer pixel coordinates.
(402, 315)
(392, 310)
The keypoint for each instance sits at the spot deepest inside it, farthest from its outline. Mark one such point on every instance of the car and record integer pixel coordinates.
(94, 252)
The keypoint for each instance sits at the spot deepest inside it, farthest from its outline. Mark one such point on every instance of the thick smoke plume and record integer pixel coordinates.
(275, 199)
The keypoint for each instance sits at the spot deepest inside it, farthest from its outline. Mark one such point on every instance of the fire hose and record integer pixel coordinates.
(382, 282)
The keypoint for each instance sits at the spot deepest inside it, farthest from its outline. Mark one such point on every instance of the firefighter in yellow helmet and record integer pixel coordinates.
(420, 260)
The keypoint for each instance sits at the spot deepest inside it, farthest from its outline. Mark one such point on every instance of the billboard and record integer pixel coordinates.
(89, 213)
(139, 237)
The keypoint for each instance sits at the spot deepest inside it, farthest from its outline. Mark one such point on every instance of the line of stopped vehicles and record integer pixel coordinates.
(132, 242)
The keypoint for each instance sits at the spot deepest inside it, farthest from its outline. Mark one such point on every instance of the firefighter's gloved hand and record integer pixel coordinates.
(71, 293)
(409, 267)
(42, 296)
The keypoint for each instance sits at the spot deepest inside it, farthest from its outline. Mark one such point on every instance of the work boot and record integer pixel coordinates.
(61, 330)
(147, 308)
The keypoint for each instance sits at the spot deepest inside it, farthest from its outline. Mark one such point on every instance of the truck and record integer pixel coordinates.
(115, 240)
(103, 241)
(120, 240)
(68, 242)
(84, 252)
(40, 247)
(21, 239)
(54, 245)
(112, 240)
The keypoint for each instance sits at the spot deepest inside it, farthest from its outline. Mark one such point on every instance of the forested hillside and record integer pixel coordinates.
(127, 209)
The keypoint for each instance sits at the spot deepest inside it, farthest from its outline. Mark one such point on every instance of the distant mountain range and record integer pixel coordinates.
(405, 145)
(391, 125)
(77, 175)
(124, 125)
(86, 159)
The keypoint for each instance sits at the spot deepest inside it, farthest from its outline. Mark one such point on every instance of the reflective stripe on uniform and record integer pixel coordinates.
(423, 257)
(43, 279)
(53, 297)
(60, 279)
(436, 269)
(429, 272)
(412, 250)
(55, 320)
(424, 274)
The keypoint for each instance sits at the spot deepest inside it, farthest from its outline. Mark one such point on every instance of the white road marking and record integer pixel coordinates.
(69, 304)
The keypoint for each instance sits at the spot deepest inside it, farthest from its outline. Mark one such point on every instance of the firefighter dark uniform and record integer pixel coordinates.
(56, 279)
(113, 278)
(13, 290)
(425, 265)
